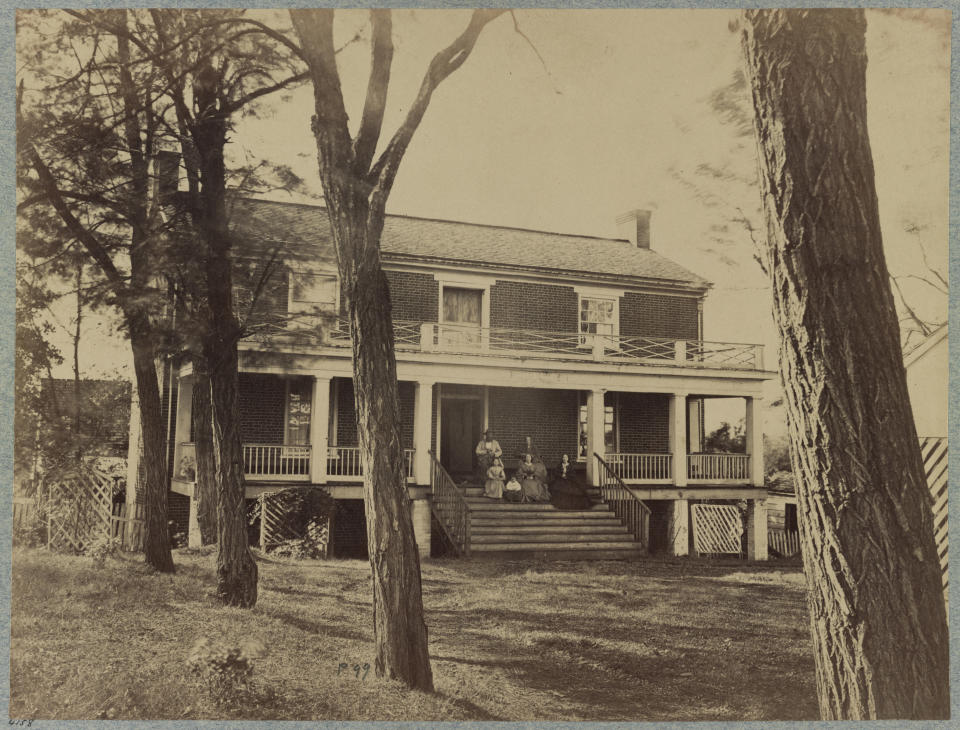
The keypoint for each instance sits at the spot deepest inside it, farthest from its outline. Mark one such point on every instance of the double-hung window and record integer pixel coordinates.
(598, 317)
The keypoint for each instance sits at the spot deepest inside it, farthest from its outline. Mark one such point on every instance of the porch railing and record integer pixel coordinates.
(450, 507)
(718, 467)
(517, 342)
(406, 333)
(627, 506)
(277, 462)
(641, 467)
(344, 463)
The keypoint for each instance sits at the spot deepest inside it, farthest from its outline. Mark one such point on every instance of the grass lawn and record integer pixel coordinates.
(509, 640)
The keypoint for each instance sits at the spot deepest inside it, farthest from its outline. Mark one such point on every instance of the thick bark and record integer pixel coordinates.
(206, 484)
(876, 604)
(399, 628)
(356, 194)
(156, 541)
(236, 568)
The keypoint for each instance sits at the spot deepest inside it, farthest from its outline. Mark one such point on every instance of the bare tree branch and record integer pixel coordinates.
(447, 61)
(381, 45)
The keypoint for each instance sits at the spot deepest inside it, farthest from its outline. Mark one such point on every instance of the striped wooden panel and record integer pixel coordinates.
(275, 528)
(717, 528)
(935, 464)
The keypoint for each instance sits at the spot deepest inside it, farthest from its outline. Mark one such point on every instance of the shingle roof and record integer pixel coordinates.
(303, 232)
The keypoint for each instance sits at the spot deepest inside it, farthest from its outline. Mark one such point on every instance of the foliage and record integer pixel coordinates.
(726, 439)
(101, 548)
(225, 670)
(776, 454)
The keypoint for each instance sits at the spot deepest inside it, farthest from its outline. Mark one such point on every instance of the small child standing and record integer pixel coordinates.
(493, 488)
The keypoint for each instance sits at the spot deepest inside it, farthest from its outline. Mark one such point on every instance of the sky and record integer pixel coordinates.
(586, 114)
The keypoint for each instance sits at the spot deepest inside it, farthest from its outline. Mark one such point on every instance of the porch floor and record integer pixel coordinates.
(509, 529)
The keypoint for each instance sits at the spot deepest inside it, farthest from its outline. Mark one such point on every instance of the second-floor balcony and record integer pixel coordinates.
(459, 339)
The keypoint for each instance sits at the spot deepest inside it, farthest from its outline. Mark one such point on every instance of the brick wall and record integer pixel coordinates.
(549, 417)
(533, 306)
(178, 511)
(413, 296)
(347, 415)
(659, 315)
(261, 408)
(644, 423)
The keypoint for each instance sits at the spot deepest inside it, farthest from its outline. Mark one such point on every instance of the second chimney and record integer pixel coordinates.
(634, 225)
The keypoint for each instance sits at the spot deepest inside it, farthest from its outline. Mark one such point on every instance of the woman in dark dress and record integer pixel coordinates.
(565, 491)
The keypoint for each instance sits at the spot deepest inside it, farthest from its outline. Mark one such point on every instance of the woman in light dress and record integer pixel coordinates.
(493, 488)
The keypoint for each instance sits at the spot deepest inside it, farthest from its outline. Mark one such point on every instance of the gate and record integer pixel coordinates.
(717, 528)
(79, 510)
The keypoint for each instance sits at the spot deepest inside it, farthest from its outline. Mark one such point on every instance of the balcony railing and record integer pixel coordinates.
(718, 467)
(277, 462)
(443, 337)
(344, 464)
(647, 468)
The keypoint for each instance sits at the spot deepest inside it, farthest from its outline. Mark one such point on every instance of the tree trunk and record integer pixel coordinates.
(874, 584)
(156, 541)
(400, 632)
(206, 485)
(236, 568)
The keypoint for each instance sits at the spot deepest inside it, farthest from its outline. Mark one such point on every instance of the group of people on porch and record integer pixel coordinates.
(530, 482)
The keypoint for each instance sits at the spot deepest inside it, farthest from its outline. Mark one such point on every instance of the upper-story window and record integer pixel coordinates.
(598, 316)
(312, 292)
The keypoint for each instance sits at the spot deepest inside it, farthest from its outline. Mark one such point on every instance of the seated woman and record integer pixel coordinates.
(493, 488)
(539, 468)
(566, 492)
(534, 488)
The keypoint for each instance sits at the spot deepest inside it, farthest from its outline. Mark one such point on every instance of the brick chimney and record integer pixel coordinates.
(166, 169)
(634, 225)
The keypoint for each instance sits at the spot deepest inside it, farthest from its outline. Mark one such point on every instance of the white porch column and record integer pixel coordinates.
(679, 536)
(133, 450)
(678, 437)
(754, 439)
(420, 515)
(319, 429)
(694, 433)
(422, 422)
(194, 539)
(595, 436)
(757, 529)
(181, 429)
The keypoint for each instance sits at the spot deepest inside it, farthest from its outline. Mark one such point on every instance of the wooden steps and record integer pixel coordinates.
(535, 530)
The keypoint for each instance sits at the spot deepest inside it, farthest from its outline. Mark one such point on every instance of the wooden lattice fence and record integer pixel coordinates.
(79, 510)
(294, 517)
(934, 451)
(717, 528)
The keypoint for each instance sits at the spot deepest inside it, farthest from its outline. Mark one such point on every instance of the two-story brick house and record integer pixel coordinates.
(592, 347)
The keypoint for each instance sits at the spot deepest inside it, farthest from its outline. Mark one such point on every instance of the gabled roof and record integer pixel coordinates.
(302, 232)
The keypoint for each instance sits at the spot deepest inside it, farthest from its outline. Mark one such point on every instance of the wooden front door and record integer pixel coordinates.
(460, 424)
